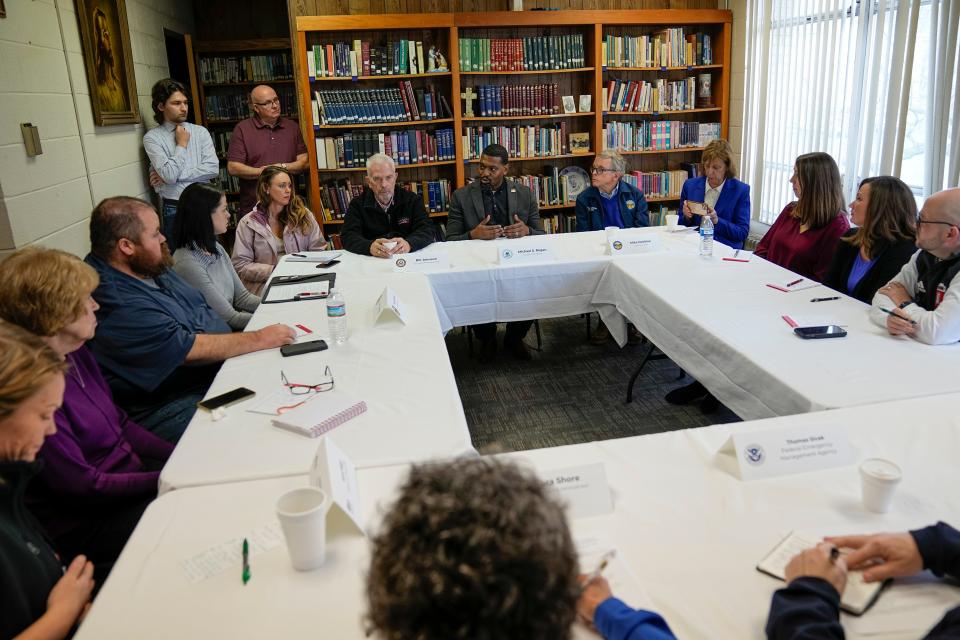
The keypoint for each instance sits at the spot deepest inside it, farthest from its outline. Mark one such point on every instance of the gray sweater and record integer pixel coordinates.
(220, 285)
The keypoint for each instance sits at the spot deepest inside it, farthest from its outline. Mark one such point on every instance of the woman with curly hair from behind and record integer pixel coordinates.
(477, 549)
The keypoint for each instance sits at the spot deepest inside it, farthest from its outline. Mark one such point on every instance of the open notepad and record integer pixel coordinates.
(324, 412)
(857, 597)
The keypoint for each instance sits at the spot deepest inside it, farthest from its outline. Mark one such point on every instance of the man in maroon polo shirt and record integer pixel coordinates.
(263, 140)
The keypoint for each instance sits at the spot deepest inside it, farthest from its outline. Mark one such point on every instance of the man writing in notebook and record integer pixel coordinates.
(158, 342)
(385, 219)
(265, 138)
(809, 607)
(488, 208)
(923, 300)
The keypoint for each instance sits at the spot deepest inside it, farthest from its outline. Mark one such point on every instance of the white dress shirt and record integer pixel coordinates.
(181, 166)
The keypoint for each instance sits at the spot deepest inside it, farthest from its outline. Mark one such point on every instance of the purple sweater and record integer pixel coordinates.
(94, 458)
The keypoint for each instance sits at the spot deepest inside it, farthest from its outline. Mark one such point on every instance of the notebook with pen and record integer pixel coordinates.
(296, 288)
(323, 413)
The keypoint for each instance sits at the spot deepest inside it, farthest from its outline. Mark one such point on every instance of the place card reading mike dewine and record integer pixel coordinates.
(418, 262)
(780, 452)
(524, 252)
(622, 245)
(584, 488)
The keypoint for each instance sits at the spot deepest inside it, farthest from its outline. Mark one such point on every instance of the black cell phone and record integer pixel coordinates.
(226, 399)
(300, 348)
(327, 265)
(814, 333)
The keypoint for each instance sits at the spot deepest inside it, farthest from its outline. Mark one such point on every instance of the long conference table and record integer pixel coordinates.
(714, 318)
(688, 533)
(688, 530)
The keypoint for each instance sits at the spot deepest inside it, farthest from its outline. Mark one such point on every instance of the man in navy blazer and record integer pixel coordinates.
(727, 199)
(609, 201)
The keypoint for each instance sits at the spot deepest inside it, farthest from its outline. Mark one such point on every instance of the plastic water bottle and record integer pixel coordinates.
(337, 317)
(706, 236)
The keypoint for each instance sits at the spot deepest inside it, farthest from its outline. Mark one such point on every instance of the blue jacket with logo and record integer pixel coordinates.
(733, 209)
(633, 208)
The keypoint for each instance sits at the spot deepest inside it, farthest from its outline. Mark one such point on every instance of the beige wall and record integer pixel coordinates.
(47, 199)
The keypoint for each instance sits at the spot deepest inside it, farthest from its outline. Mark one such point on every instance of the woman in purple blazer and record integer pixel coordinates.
(730, 212)
(100, 469)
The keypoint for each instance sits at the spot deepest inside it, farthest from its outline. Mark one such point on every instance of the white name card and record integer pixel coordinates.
(524, 252)
(336, 474)
(418, 262)
(389, 307)
(621, 245)
(584, 488)
(780, 452)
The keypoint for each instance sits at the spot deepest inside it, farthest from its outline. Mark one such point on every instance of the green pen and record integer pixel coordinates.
(246, 562)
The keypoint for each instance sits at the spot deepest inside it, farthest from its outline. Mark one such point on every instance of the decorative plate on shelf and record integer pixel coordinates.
(577, 180)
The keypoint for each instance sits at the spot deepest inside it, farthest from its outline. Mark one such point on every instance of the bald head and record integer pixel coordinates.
(944, 205)
(265, 103)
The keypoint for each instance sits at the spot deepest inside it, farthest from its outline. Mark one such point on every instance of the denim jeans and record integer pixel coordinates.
(166, 226)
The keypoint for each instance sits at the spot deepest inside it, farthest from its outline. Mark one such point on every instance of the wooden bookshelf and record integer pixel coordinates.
(448, 29)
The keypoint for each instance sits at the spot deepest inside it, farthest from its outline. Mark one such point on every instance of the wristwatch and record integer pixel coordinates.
(905, 304)
(283, 165)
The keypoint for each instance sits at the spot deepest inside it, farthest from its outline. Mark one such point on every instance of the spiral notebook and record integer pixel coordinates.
(327, 411)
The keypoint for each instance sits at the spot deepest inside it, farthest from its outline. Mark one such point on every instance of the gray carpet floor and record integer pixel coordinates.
(571, 392)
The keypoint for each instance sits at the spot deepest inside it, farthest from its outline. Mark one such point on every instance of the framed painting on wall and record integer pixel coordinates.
(109, 63)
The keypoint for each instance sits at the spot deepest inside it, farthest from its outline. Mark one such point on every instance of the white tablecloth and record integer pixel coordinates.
(691, 532)
(718, 321)
(402, 372)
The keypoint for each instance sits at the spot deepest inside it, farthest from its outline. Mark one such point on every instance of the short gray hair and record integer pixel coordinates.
(617, 162)
(380, 158)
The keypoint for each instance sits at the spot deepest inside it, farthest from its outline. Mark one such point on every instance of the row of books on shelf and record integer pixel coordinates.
(667, 48)
(550, 190)
(221, 141)
(527, 141)
(234, 106)
(658, 184)
(664, 95)
(536, 53)
(335, 195)
(228, 182)
(658, 135)
(262, 67)
(657, 214)
(410, 146)
(363, 58)
(370, 106)
(518, 100)
(561, 223)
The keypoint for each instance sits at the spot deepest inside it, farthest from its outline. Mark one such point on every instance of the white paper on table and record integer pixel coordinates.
(322, 257)
(794, 284)
(623, 582)
(740, 255)
(221, 557)
(271, 403)
(287, 292)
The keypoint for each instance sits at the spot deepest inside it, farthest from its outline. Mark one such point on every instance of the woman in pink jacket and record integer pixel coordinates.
(279, 224)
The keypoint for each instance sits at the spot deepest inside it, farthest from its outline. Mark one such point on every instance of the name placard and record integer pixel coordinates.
(621, 245)
(780, 452)
(584, 488)
(336, 474)
(389, 307)
(529, 252)
(436, 260)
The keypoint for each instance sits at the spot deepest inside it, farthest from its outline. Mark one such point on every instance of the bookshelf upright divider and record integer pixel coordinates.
(542, 131)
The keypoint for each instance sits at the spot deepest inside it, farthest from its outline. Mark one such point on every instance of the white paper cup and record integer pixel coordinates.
(389, 244)
(303, 518)
(879, 479)
(673, 220)
(611, 231)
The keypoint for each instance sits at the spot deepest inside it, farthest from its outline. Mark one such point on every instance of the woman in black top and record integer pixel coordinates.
(869, 256)
(38, 599)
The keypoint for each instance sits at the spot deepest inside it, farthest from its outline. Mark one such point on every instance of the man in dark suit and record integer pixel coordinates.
(488, 208)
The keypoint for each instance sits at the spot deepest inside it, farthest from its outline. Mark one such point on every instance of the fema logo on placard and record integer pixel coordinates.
(401, 263)
(754, 454)
(507, 254)
(617, 245)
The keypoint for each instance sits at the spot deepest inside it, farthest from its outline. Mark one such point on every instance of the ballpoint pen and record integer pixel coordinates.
(790, 284)
(736, 253)
(889, 312)
(824, 299)
(246, 561)
(604, 561)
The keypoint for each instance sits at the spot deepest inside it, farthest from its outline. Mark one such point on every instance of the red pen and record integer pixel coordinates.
(303, 328)
(790, 284)
(790, 321)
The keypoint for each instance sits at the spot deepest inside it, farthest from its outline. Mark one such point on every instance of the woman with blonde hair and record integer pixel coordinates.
(280, 223)
(726, 199)
(39, 600)
(869, 256)
(805, 235)
(101, 469)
